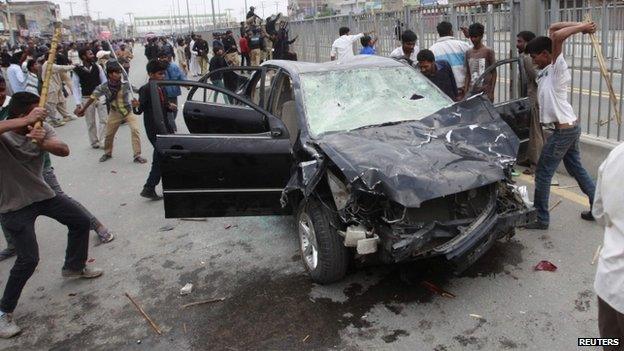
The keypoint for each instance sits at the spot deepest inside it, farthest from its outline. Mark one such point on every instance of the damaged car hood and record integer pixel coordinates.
(462, 147)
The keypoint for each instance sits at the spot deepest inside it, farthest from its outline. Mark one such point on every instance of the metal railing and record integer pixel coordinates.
(502, 19)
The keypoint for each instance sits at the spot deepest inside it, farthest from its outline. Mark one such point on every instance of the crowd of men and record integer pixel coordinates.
(95, 74)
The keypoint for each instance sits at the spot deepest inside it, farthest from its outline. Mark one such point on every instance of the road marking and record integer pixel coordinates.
(567, 194)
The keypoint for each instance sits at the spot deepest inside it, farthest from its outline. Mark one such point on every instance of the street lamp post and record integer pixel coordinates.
(188, 16)
(214, 20)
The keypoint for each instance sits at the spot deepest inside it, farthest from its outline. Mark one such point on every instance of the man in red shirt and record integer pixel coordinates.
(243, 44)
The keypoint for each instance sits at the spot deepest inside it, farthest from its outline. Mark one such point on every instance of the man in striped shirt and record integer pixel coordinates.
(452, 50)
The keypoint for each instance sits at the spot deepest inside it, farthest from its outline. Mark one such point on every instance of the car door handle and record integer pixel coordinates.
(175, 153)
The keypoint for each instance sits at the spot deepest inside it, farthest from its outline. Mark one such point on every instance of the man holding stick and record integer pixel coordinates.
(24, 196)
(553, 81)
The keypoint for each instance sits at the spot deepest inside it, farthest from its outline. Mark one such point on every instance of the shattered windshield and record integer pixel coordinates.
(346, 100)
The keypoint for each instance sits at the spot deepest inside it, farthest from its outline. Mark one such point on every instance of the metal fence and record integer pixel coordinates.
(502, 20)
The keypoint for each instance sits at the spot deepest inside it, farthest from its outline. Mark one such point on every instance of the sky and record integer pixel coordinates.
(117, 9)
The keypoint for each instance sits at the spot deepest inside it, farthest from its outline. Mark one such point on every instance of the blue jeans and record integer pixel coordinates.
(562, 145)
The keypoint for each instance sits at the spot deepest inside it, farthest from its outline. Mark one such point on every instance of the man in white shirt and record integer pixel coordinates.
(609, 212)
(553, 81)
(408, 49)
(453, 51)
(342, 48)
(15, 74)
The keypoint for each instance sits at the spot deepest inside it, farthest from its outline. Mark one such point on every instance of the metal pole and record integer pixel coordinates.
(214, 20)
(11, 37)
(188, 16)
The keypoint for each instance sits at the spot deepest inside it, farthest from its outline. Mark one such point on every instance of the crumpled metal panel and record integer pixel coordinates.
(462, 147)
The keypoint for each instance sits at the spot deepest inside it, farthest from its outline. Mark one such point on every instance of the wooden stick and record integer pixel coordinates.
(203, 302)
(48, 71)
(604, 72)
(147, 318)
(596, 254)
(555, 205)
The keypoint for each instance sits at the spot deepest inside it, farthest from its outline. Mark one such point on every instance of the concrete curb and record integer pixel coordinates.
(593, 152)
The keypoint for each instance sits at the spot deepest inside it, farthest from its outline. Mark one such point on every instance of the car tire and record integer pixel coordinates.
(323, 253)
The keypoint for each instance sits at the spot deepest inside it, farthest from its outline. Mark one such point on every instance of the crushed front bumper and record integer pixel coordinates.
(473, 240)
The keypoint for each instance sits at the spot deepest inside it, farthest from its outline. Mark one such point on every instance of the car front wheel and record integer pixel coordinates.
(322, 250)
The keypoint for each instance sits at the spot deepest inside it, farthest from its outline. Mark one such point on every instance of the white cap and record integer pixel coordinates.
(102, 53)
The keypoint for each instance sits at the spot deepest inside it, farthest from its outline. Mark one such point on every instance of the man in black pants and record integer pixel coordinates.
(24, 196)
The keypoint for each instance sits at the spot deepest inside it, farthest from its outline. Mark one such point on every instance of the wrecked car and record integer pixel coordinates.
(373, 160)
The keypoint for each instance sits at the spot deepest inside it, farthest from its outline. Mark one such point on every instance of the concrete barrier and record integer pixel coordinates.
(593, 152)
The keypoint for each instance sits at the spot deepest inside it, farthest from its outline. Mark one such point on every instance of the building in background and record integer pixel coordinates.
(29, 18)
(161, 25)
(301, 9)
(80, 27)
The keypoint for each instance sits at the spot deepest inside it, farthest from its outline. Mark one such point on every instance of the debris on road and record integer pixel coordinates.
(555, 205)
(569, 186)
(123, 204)
(166, 228)
(72, 294)
(477, 316)
(228, 226)
(306, 338)
(203, 302)
(147, 318)
(114, 172)
(545, 266)
(437, 290)
(91, 260)
(596, 255)
(139, 341)
(186, 289)
(184, 327)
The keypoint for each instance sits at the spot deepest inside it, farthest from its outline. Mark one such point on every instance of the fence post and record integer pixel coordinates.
(554, 11)
(604, 30)
(489, 27)
(317, 49)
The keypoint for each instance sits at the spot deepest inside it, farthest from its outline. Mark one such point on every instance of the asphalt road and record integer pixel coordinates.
(270, 303)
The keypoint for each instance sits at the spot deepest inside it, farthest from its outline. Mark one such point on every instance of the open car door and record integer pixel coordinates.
(234, 161)
(516, 112)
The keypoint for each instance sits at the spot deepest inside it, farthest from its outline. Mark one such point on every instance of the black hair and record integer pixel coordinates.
(538, 45)
(16, 57)
(180, 41)
(476, 30)
(526, 35)
(113, 67)
(444, 28)
(425, 55)
(366, 40)
(155, 66)
(409, 37)
(83, 52)
(30, 64)
(21, 104)
(163, 53)
(343, 31)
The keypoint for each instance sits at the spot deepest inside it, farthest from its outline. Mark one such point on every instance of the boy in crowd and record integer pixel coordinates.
(217, 61)
(439, 72)
(24, 196)
(408, 49)
(342, 48)
(478, 59)
(368, 45)
(86, 78)
(173, 72)
(117, 93)
(536, 134)
(156, 70)
(453, 51)
(553, 82)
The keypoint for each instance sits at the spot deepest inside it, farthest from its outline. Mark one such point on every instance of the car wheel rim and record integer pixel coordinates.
(307, 238)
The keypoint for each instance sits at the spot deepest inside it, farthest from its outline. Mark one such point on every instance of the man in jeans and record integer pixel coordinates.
(24, 196)
(553, 82)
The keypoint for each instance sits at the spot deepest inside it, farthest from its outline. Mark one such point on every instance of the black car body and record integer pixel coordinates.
(413, 175)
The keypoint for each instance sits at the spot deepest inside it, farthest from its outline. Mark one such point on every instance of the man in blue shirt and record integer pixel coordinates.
(368, 45)
(439, 72)
(173, 72)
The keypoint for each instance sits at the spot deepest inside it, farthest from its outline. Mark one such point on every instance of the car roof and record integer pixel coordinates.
(359, 61)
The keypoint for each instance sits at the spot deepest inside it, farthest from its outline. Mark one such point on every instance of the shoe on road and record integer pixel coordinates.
(537, 225)
(139, 159)
(105, 158)
(108, 239)
(150, 194)
(8, 328)
(95, 145)
(6, 253)
(588, 216)
(86, 273)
